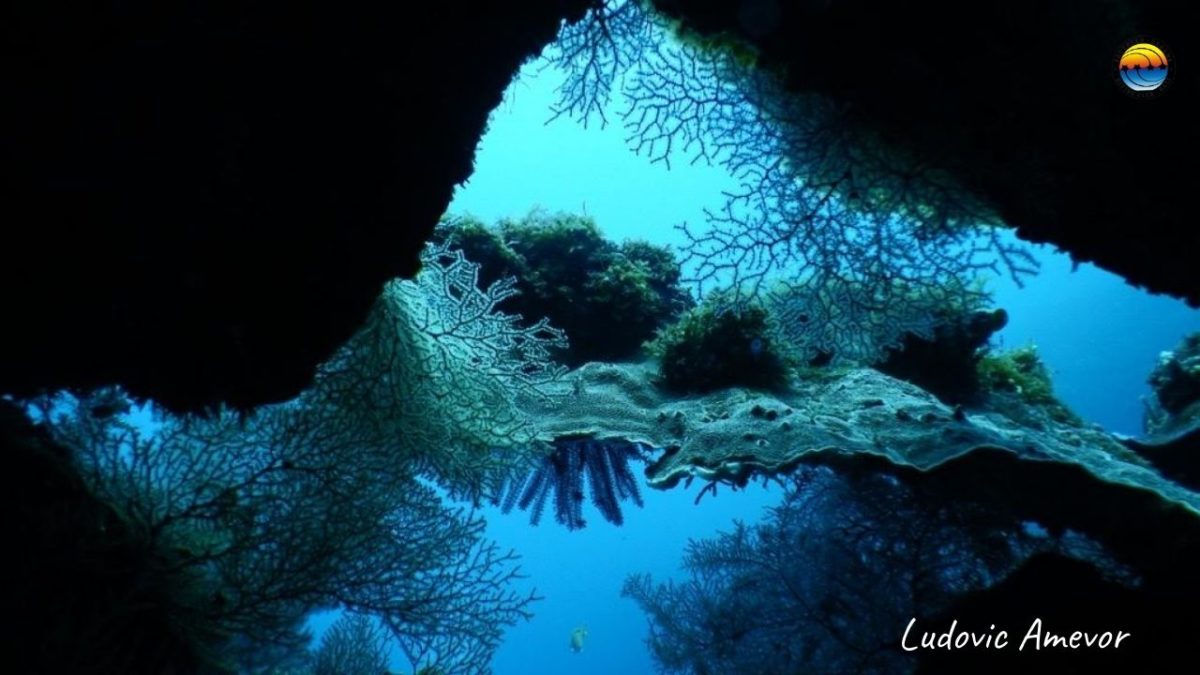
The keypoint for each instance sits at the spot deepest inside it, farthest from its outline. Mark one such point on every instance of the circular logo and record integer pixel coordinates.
(1143, 67)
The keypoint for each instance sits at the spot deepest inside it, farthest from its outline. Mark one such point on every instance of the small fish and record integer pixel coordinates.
(577, 637)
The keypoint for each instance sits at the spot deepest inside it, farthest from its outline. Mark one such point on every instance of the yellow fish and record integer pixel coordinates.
(577, 637)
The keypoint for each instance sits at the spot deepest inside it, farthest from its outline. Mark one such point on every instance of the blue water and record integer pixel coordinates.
(1099, 336)
(580, 574)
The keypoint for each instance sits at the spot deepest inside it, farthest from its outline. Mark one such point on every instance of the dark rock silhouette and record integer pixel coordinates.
(946, 366)
(202, 201)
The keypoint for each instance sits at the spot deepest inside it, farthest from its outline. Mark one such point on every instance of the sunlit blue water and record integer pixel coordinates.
(580, 574)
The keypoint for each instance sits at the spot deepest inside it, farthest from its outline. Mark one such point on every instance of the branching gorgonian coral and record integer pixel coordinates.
(353, 645)
(264, 520)
(826, 581)
(324, 501)
(435, 372)
(569, 273)
(864, 236)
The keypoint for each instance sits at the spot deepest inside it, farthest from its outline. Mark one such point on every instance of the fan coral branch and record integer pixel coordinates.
(821, 584)
(865, 237)
(255, 522)
(436, 371)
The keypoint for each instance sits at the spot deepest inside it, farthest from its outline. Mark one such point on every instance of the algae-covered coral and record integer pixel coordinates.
(1022, 374)
(608, 298)
(947, 362)
(1175, 382)
(712, 348)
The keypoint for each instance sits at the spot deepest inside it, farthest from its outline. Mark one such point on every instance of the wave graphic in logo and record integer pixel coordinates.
(1143, 67)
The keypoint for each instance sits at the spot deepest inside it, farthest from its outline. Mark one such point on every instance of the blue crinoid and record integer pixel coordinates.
(604, 462)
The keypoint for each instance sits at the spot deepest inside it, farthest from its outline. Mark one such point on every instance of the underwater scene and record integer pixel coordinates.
(682, 358)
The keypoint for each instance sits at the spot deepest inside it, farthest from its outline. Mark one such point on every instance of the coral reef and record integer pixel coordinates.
(436, 370)
(353, 645)
(1173, 414)
(844, 322)
(264, 520)
(1175, 382)
(168, 154)
(90, 598)
(712, 347)
(862, 240)
(1020, 373)
(827, 581)
(568, 272)
(729, 435)
(1176, 454)
(1113, 557)
(610, 480)
(324, 501)
(947, 363)
(1013, 460)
